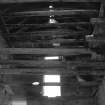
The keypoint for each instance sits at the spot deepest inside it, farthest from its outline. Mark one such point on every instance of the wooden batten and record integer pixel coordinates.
(46, 51)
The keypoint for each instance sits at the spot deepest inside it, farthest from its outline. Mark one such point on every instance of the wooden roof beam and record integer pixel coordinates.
(19, 1)
(71, 84)
(57, 12)
(44, 63)
(97, 20)
(46, 51)
(40, 25)
(34, 71)
(60, 71)
(53, 34)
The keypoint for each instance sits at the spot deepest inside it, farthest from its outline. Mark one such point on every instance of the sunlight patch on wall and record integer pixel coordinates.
(51, 91)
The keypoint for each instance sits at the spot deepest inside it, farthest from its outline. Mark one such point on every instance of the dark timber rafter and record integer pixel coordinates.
(46, 51)
(62, 71)
(98, 31)
(56, 12)
(4, 29)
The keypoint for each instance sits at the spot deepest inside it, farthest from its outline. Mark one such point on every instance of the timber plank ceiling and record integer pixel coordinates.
(29, 37)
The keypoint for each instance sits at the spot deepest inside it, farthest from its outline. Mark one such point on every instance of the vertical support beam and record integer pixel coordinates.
(2, 25)
(101, 94)
(5, 90)
(5, 95)
(99, 30)
(3, 33)
(102, 8)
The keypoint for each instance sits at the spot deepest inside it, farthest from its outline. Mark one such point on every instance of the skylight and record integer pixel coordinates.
(51, 58)
(52, 78)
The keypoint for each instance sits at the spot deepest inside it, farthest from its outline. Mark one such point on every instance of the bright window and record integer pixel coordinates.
(52, 90)
(52, 78)
(52, 58)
